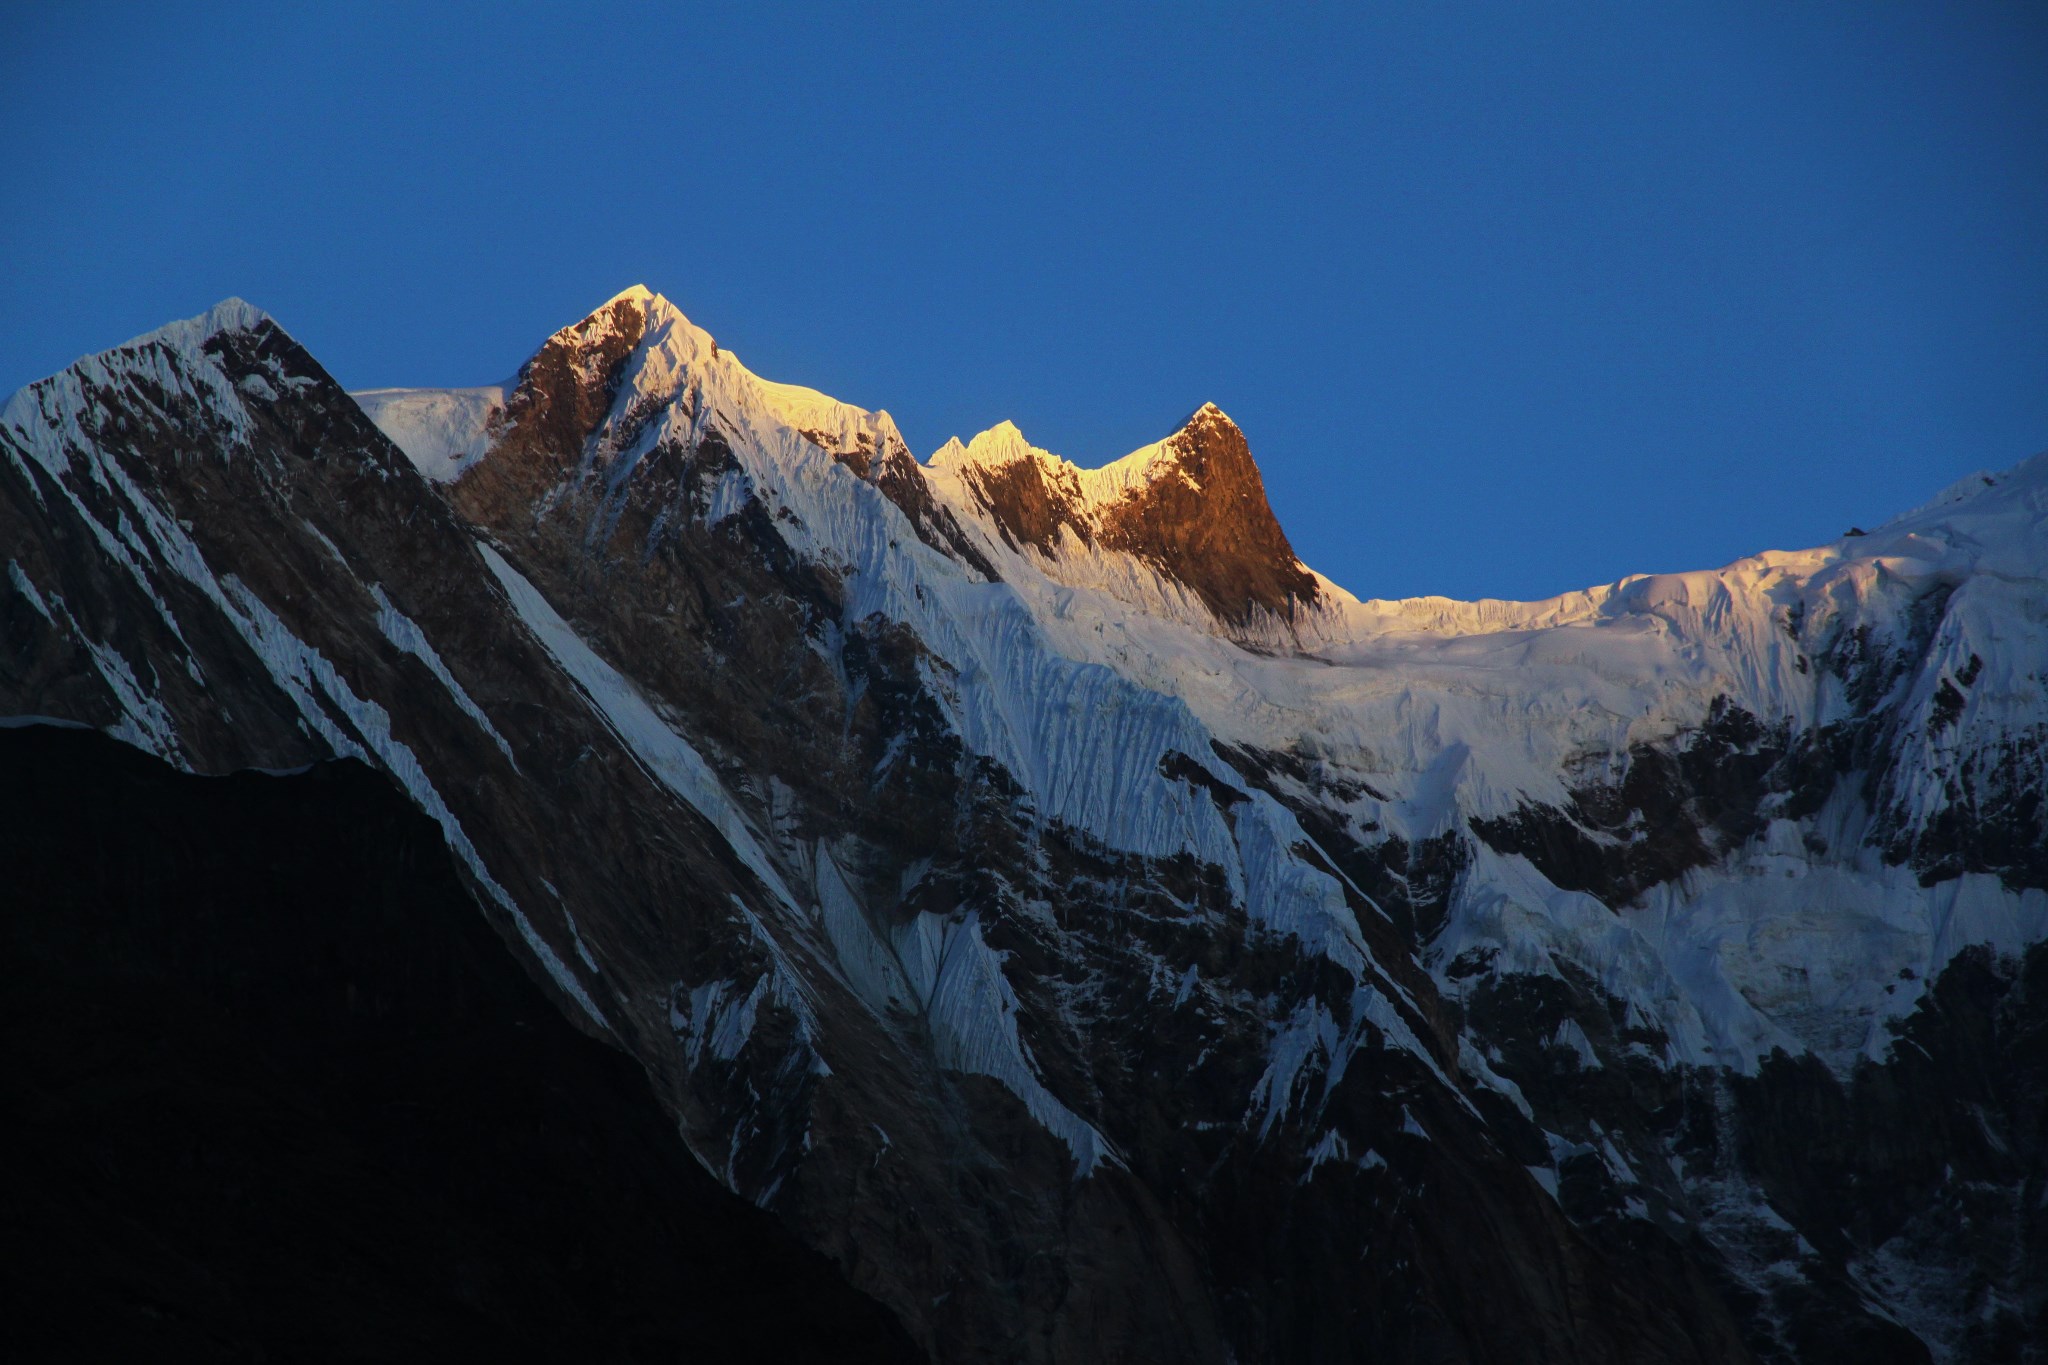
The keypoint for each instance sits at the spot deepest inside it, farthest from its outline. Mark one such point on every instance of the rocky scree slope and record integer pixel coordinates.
(1104, 937)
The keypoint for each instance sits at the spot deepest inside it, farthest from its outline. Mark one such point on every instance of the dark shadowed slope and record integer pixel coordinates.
(278, 1093)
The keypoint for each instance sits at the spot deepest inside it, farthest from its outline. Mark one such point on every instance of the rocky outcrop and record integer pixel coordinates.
(1192, 508)
(1031, 502)
(1201, 518)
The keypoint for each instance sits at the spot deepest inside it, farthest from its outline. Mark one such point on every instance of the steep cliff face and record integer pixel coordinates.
(1201, 517)
(1192, 508)
(1102, 936)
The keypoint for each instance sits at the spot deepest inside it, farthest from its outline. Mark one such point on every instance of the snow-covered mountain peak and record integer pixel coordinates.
(1185, 516)
(1180, 527)
(1091, 490)
(636, 300)
(598, 345)
(185, 338)
(636, 293)
(604, 380)
(183, 362)
(1000, 445)
(661, 354)
(232, 314)
(664, 326)
(1184, 453)
(229, 315)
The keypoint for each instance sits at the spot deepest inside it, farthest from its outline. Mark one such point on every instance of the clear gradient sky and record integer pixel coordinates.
(1510, 299)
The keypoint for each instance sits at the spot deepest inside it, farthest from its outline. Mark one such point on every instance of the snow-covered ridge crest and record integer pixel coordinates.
(1091, 490)
(1526, 688)
(1456, 710)
(676, 354)
(188, 334)
(33, 405)
(1180, 527)
(1523, 691)
(663, 357)
(1983, 523)
(55, 419)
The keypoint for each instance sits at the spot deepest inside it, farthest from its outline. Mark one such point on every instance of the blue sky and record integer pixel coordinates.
(1510, 299)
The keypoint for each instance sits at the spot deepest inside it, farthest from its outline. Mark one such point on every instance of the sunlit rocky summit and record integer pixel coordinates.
(1099, 934)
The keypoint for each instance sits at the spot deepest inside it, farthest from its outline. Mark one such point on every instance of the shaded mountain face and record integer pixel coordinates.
(280, 1093)
(1100, 936)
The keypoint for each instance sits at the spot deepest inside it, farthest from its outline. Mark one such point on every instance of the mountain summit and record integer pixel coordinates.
(1100, 936)
(1195, 507)
(1183, 519)
(1191, 507)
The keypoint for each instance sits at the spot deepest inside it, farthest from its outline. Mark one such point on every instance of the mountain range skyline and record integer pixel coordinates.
(1026, 684)
(1477, 283)
(1085, 462)
(1097, 934)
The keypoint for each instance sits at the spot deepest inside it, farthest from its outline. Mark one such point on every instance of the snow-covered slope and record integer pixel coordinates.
(1450, 711)
(444, 431)
(1444, 713)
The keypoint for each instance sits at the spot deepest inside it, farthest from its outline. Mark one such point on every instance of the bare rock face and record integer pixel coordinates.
(1085, 984)
(1193, 508)
(1031, 502)
(569, 384)
(1203, 519)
